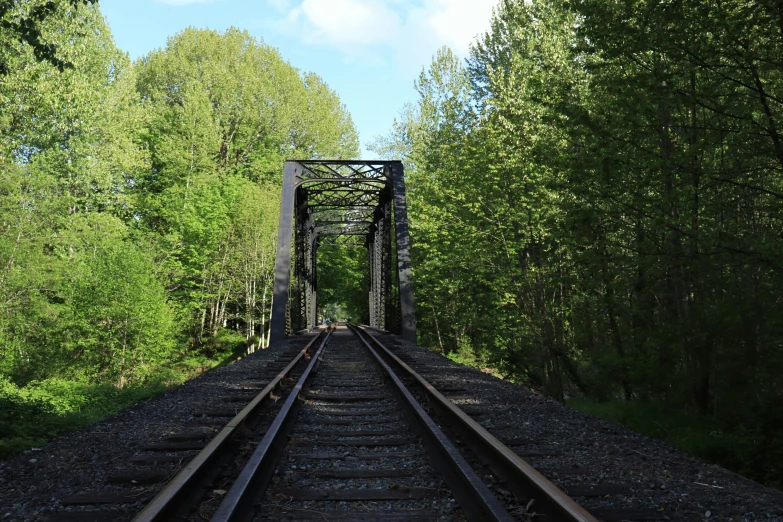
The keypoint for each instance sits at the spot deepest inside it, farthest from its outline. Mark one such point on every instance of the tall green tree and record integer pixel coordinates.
(70, 151)
(597, 207)
(228, 110)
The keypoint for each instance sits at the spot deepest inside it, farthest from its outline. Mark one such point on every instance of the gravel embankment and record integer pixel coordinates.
(574, 449)
(569, 447)
(33, 485)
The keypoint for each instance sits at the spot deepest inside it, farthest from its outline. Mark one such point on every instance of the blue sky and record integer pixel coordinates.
(369, 51)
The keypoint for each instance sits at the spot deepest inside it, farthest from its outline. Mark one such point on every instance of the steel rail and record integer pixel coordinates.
(469, 490)
(255, 475)
(170, 499)
(521, 476)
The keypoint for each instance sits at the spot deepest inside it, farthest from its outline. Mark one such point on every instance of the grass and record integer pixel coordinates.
(468, 357)
(32, 415)
(751, 446)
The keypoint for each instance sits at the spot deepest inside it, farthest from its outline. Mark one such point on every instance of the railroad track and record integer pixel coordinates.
(351, 443)
(452, 393)
(345, 428)
(183, 466)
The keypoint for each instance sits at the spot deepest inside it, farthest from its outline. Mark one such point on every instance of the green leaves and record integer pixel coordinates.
(262, 109)
(120, 324)
(139, 203)
(226, 110)
(595, 199)
(22, 22)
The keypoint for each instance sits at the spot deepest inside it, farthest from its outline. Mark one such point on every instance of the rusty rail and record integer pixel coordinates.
(252, 481)
(469, 490)
(170, 499)
(522, 478)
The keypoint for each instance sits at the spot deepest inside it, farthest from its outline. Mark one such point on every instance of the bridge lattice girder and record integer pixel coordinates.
(347, 203)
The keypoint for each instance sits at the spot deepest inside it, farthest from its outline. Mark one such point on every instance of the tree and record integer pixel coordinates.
(227, 112)
(139, 203)
(22, 22)
(119, 322)
(611, 174)
(69, 151)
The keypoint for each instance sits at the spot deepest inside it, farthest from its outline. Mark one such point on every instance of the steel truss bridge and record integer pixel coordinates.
(355, 203)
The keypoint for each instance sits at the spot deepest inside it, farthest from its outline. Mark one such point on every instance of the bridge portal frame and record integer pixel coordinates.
(343, 199)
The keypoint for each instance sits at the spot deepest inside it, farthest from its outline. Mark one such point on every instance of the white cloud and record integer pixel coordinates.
(412, 30)
(350, 22)
(183, 2)
(457, 22)
(280, 5)
(435, 23)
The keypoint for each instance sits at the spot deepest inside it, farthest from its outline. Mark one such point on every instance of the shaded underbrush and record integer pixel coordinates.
(751, 445)
(34, 413)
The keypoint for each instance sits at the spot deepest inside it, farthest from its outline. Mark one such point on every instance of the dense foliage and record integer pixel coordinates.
(343, 283)
(596, 204)
(139, 202)
(25, 26)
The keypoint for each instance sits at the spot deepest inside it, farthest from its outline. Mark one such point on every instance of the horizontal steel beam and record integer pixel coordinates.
(304, 163)
(342, 181)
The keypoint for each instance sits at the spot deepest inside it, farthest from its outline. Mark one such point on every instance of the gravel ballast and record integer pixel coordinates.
(34, 484)
(555, 439)
(574, 450)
